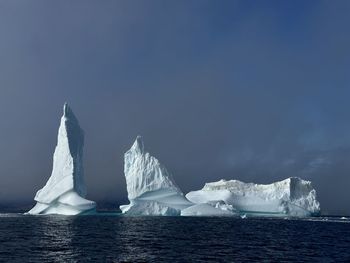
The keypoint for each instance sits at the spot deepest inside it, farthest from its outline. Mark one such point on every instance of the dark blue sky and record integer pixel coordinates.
(250, 90)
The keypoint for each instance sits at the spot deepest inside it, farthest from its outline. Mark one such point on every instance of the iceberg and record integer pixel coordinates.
(151, 188)
(65, 190)
(290, 197)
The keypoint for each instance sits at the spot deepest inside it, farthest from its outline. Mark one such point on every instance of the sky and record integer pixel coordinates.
(251, 90)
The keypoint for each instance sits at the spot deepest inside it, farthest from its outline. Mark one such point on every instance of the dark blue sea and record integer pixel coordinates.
(111, 238)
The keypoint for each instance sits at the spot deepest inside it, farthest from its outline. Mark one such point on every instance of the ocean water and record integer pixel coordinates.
(111, 238)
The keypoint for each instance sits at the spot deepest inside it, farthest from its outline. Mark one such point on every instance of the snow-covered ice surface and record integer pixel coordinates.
(151, 188)
(65, 190)
(150, 208)
(290, 197)
(210, 209)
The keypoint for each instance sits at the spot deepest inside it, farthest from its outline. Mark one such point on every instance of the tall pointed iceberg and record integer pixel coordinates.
(151, 188)
(65, 190)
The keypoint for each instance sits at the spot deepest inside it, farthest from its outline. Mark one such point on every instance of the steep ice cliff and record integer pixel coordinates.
(151, 188)
(65, 190)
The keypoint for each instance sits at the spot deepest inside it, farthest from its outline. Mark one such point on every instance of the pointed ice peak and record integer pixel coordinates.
(138, 145)
(66, 109)
(151, 188)
(68, 113)
(65, 190)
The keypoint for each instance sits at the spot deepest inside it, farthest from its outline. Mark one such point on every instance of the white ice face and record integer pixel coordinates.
(151, 188)
(214, 208)
(150, 208)
(65, 190)
(291, 197)
(144, 173)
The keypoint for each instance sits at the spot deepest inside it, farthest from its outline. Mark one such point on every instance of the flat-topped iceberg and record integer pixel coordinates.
(65, 190)
(290, 197)
(151, 188)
